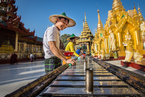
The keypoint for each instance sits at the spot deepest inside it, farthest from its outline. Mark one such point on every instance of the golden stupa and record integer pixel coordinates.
(120, 26)
(86, 37)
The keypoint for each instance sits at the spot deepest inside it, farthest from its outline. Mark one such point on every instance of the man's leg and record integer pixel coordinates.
(49, 64)
(57, 62)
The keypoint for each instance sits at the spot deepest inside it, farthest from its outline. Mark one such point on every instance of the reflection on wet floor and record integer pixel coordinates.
(72, 81)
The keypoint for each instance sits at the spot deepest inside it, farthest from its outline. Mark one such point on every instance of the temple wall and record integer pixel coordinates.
(24, 50)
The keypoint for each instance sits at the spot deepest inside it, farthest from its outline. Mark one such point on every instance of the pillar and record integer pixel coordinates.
(19, 47)
(137, 37)
(32, 48)
(16, 42)
(88, 47)
(25, 45)
(121, 51)
(106, 45)
(139, 44)
(119, 39)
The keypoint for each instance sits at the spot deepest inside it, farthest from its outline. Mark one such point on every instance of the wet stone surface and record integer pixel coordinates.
(71, 82)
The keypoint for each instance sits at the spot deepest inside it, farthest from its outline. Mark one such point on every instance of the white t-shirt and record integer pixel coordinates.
(51, 34)
(31, 55)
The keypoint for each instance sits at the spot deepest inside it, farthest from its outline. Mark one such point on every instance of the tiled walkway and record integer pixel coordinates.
(12, 77)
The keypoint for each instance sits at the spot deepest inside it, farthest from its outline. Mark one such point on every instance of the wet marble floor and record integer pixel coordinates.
(12, 77)
(71, 82)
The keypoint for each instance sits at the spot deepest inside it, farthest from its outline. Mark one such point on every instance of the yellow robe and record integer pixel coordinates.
(70, 48)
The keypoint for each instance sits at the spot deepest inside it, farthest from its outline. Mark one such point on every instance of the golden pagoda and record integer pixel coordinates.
(120, 26)
(86, 37)
(100, 39)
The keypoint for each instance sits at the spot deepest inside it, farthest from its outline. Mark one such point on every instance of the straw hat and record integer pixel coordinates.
(53, 19)
(72, 36)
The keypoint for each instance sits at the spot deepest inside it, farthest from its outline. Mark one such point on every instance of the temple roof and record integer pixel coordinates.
(36, 40)
(11, 20)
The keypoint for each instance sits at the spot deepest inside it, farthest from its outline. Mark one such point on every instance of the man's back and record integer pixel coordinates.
(51, 34)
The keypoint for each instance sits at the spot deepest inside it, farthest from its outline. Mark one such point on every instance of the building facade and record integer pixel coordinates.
(14, 37)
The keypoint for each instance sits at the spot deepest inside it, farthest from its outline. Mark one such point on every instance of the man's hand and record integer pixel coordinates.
(73, 62)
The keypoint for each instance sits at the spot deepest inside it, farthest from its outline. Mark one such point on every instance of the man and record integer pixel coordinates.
(31, 57)
(14, 58)
(51, 42)
(70, 45)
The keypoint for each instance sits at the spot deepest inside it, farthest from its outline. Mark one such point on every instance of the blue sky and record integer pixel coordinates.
(35, 13)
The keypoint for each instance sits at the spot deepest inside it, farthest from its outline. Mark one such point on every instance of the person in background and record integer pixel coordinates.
(14, 58)
(11, 57)
(31, 57)
(35, 57)
(78, 51)
(70, 45)
(51, 42)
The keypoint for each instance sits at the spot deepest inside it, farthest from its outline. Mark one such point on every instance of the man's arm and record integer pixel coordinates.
(61, 52)
(56, 52)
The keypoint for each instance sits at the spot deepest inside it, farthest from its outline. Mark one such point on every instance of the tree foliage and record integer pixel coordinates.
(64, 39)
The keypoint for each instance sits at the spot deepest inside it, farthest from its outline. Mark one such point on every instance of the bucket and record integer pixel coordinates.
(67, 57)
(68, 53)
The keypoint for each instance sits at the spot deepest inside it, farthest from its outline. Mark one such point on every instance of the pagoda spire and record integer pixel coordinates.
(135, 11)
(117, 5)
(100, 25)
(85, 17)
(85, 25)
(141, 17)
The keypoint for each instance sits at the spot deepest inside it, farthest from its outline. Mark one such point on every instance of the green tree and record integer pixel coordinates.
(64, 39)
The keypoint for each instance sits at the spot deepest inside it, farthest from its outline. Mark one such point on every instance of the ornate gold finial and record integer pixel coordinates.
(135, 11)
(134, 5)
(85, 17)
(117, 5)
(83, 25)
(138, 8)
(98, 11)
(100, 25)
(139, 12)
